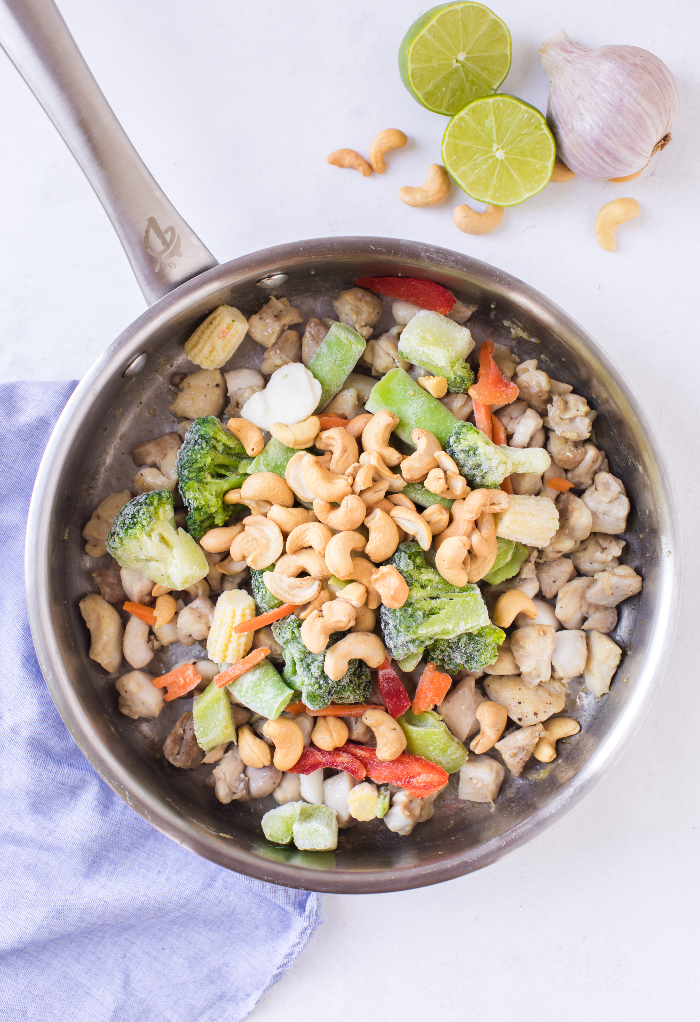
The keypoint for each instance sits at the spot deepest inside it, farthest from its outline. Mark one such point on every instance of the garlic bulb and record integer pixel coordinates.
(610, 109)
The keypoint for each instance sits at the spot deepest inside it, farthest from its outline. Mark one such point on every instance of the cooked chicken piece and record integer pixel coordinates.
(574, 525)
(358, 730)
(105, 627)
(167, 634)
(138, 696)
(201, 393)
(95, 532)
(526, 704)
(148, 479)
(214, 578)
(230, 778)
(510, 415)
(532, 648)
(545, 616)
(460, 313)
(241, 384)
(195, 620)
(598, 553)
(538, 438)
(553, 574)
(517, 747)
(533, 384)
(480, 779)
(288, 790)
(525, 429)
(582, 475)
(382, 355)
(334, 793)
(138, 645)
(569, 416)
(527, 484)
(314, 335)
(110, 584)
(525, 580)
(241, 714)
(350, 401)
(264, 637)
(458, 708)
(504, 358)
(286, 349)
(569, 656)
(614, 586)
(461, 405)
(603, 659)
(359, 309)
(181, 747)
(406, 811)
(274, 317)
(262, 781)
(154, 453)
(600, 619)
(505, 665)
(565, 453)
(307, 724)
(137, 586)
(572, 607)
(608, 504)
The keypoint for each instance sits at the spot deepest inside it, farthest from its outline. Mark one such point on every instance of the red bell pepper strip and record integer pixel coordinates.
(425, 293)
(498, 431)
(559, 484)
(416, 775)
(492, 387)
(239, 668)
(314, 759)
(395, 696)
(432, 689)
(507, 486)
(482, 418)
(331, 421)
(142, 612)
(178, 682)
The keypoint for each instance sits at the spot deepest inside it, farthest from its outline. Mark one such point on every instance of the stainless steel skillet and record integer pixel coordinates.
(124, 398)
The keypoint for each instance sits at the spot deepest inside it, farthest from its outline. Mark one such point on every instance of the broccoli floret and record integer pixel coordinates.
(482, 463)
(144, 537)
(264, 600)
(304, 670)
(440, 346)
(209, 463)
(434, 608)
(473, 651)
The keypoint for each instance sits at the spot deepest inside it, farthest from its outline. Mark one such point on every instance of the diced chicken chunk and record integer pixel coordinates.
(406, 811)
(137, 586)
(533, 384)
(312, 787)
(570, 417)
(480, 779)
(608, 504)
(201, 393)
(504, 358)
(382, 355)
(358, 730)
(517, 747)
(334, 794)
(614, 586)
(569, 656)
(262, 781)
(195, 620)
(571, 608)
(241, 384)
(286, 349)
(544, 616)
(147, 479)
(359, 309)
(510, 415)
(110, 584)
(137, 645)
(155, 452)
(598, 553)
(532, 647)
(95, 532)
(528, 484)
(553, 574)
(574, 524)
(461, 405)
(461, 312)
(565, 453)
(526, 704)
(288, 789)
(582, 474)
(458, 709)
(314, 335)
(600, 619)
(230, 778)
(274, 317)
(181, 747)
(105, 627)
(138, 696)
(525, 428)
(505, 665)
(602, 662)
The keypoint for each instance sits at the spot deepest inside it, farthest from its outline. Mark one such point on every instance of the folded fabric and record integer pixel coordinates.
(104, 918)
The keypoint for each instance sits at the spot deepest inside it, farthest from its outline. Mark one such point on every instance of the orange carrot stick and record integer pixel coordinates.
(499, 431)
(482, 417)
(506, 485)
(559, 484)
(432, 689)
(142, 612)
(235, 671)
(330, 421)
(178, 682)
(265, 619)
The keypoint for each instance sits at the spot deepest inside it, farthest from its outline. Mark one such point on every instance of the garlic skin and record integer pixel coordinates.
(609, 109)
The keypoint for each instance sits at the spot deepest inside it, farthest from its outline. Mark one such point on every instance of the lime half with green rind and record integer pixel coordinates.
(499, 150)
(454, 53)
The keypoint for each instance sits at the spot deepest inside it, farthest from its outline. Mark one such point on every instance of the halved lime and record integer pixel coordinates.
(499, 150)
(454, 53)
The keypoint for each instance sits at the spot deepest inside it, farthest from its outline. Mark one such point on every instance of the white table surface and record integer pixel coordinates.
(234, 106)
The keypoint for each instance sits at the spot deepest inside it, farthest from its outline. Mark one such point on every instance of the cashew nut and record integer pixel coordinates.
(416, 467)
(400, 500)
(391, 586)
(381, 470)
(470, 222)
(267, 486)
(383, 143)
(451, 485)
(338, 553)
(323, 483)
(414, 524)
(350, 160)
(509, 605)
(253, 750)
(375, 437)
(334, 616)
(329, 733)
(356, 425)
(355, 594)
(300, 435)
(560, 172)
(307, 560)
(260, 543)
(348, 516)
(295, 478)
(557, 727)
(306, 610)
(217, 540)
(493, 719)
(435, 190)
(484, 546)
(375, 493)
(288, 518)
(391, 741)
(312, 534)
(257, 507)
(249, 435)
(437, 517)
(465, 512)
(230, 567)
(383, 536)
(289, 589)
(435, 385)
(166, 609)
(609, 218)
(342, 445)
(452, 560)
(362, 572)
(355, 646)
(288, 739)
(365, 621)
(627, 177)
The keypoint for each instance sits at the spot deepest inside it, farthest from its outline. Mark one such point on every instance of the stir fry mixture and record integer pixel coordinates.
(398, 551)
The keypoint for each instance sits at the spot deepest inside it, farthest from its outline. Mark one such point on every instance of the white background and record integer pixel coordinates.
(234, 106)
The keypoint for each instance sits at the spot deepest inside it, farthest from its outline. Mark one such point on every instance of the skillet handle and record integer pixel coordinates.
(162, 249)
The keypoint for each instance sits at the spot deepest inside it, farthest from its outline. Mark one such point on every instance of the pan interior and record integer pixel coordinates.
(90, 459)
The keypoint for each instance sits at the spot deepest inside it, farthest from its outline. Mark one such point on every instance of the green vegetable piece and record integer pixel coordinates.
(528, 459)
(145, 537)
(384, 800)
(278, 823)
(335, 359)
(415, 408)
(441, 346)
(434, 608)
(510, 557)
(473, 651)
(419, 495)
(429, 737)
(483, 464)
(213, 720)
(410, 662)
(304, 671)
(262, 690)
(315, 829)
(264, 600)
(339, 583)
(273, 458)
(209, 464)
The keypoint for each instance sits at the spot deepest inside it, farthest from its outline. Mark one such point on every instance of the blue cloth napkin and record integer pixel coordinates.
(102, 917)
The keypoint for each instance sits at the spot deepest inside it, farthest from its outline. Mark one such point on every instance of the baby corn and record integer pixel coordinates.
(216, 339)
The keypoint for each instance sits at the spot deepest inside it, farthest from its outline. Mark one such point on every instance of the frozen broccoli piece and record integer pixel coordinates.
(483, 464)
(145, 537)
(441, 346)
(304, 671)
(209, 463)
(264, 600)
(473, 651)
(434, 608)
(510, 557)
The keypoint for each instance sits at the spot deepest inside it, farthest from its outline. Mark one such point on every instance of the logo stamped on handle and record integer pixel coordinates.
(170, 244)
